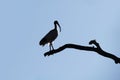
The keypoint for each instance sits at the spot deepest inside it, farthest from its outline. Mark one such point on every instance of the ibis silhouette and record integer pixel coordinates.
(50, 36)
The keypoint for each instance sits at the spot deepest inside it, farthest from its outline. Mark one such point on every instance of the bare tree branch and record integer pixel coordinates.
(97, 49)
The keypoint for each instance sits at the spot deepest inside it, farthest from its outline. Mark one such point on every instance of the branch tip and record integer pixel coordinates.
(92, 42)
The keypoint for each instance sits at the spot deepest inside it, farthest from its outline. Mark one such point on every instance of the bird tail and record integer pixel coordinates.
(42, 42)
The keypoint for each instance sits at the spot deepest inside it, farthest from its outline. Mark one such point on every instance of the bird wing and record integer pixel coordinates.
(45, 39)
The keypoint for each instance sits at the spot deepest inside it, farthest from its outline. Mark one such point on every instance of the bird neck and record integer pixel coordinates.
(55, 26)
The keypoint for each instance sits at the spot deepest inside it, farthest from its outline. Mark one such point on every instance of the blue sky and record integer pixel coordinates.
(23, 23)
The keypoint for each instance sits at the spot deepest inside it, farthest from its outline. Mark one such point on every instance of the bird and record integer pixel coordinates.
(50, 36)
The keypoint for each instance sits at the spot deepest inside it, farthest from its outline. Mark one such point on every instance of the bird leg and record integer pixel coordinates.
(51, 46)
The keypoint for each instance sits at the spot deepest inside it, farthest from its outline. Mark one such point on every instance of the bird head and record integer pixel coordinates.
(56, 23)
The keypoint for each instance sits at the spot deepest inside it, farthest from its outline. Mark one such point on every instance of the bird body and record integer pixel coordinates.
(50, 36)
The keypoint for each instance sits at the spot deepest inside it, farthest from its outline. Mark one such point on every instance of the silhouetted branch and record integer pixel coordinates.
(97, 49)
